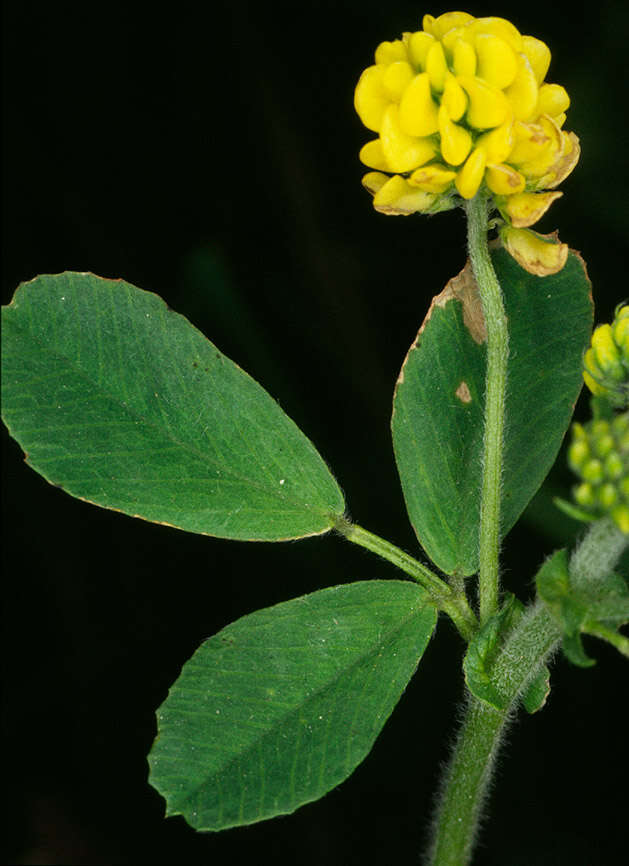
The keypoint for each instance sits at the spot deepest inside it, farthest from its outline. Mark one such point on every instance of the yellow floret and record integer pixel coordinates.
(418, 110)
(371, 98)
(469, 179)
(403, 152)
(456, 142)
(497, 61)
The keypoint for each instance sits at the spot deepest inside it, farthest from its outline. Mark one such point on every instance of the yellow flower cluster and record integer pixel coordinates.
(462, 106)
(606, 362)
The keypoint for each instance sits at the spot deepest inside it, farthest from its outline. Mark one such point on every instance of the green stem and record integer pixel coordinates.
(454, 603)
(597, 629)
(598, 553)
(495, 391)
(526, 649)
(465, 785)
(468, 775)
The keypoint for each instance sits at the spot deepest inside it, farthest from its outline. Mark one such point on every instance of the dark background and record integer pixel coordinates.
(209, 153)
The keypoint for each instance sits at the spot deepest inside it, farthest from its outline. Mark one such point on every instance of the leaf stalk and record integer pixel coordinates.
(451, 601)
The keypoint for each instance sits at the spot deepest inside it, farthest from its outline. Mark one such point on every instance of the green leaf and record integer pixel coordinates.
(597, 608)
(123, 403)
(553, 579)
(481, 654)
(438, 408)
(283, 704)
(536, 693)
(553, 587)
(572, 647)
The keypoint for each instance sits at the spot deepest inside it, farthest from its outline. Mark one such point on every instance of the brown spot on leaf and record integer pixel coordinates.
(463, 288)
(463, 392)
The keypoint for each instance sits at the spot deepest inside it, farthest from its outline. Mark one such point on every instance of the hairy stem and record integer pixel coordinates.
(465, 784)
(598, 553)
(495, 392)
(529, 646)
(469, 773)
(452, 602)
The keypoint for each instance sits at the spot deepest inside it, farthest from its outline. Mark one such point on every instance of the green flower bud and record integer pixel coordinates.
(613, 466)
(604, 445)
(593, 471)
(584, 495)
(607, 495)
(599, 456)
(578, 453)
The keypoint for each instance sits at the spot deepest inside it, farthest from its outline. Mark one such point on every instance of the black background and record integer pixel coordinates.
(208, 153)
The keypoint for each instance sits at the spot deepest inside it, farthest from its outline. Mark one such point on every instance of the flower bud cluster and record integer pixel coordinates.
(599, 455)
(462, 106)
(606, 362)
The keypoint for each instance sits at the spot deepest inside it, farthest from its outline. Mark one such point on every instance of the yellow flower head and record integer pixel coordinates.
(462, 106)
